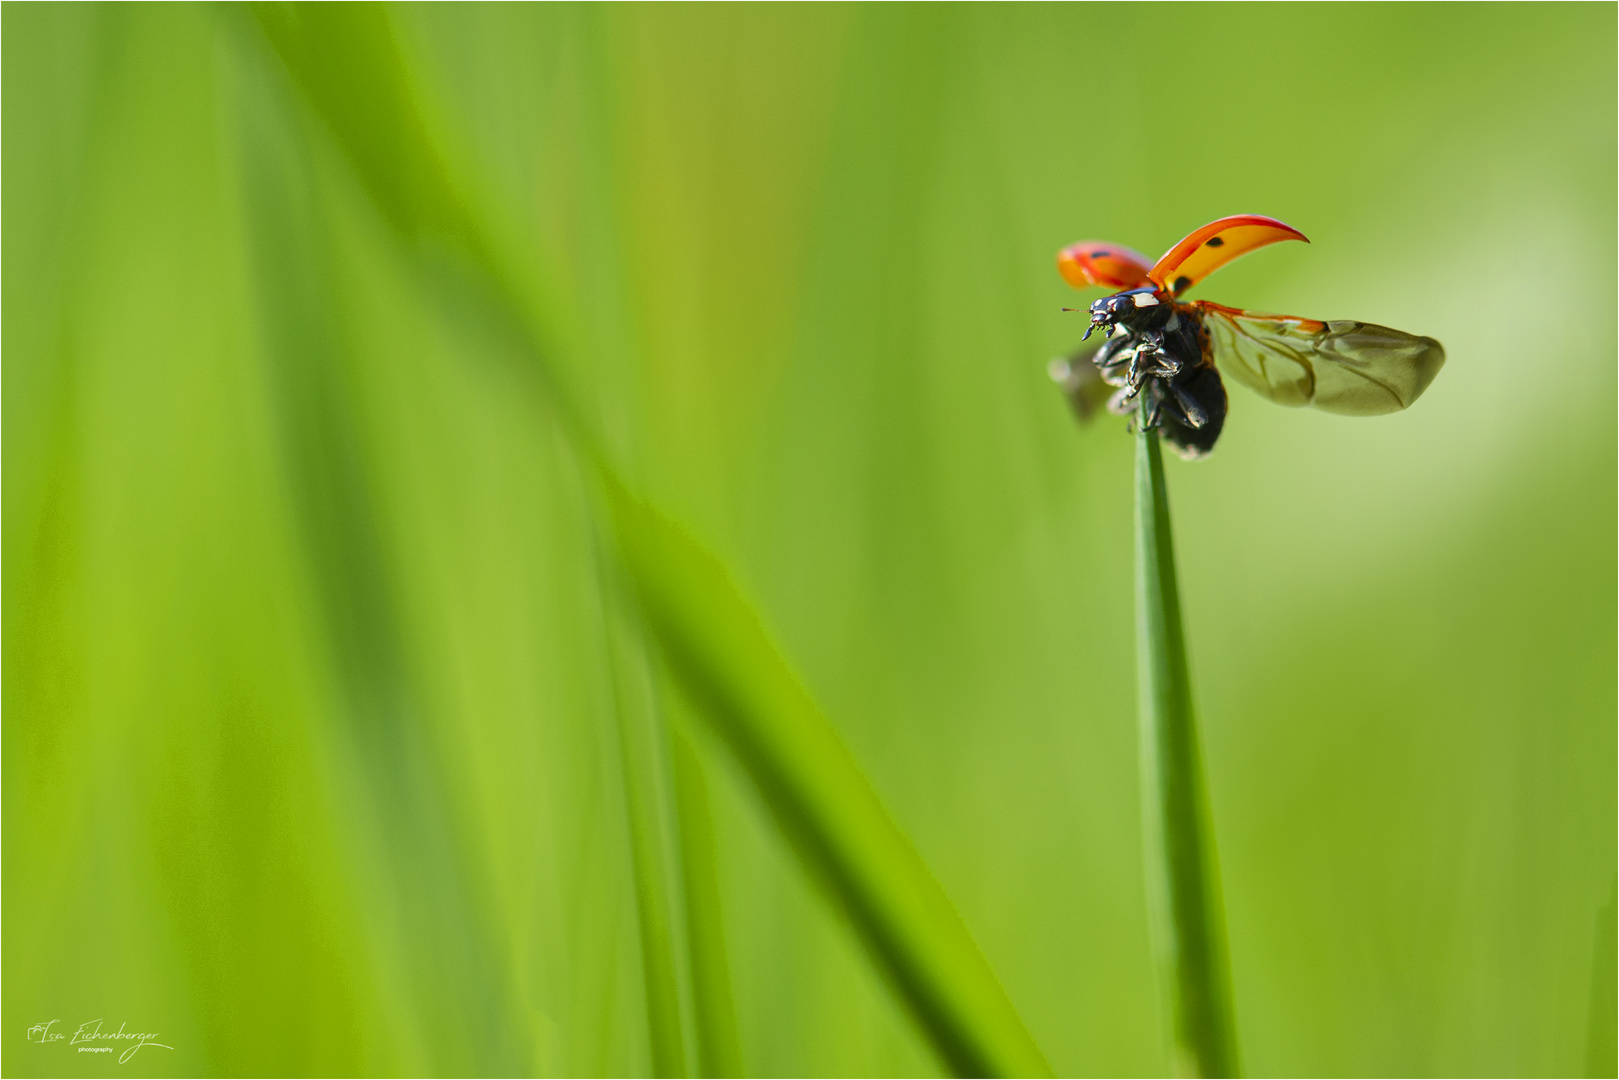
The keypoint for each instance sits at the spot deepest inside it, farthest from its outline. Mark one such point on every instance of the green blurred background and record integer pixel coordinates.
(308, 760)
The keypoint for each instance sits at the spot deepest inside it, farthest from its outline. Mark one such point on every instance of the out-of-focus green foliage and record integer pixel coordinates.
(314, 759)
(347, 61)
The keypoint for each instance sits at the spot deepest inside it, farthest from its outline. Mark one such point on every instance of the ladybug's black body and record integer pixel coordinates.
(1159, 348)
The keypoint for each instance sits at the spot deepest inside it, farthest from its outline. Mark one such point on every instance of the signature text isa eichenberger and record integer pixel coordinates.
(91, 1038)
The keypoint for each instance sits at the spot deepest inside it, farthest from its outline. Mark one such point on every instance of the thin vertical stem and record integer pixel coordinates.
(1182, 873)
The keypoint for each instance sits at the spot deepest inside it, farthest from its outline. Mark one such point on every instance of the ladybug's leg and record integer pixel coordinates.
(1133, 373)
(1147, 362)
(1155, 405)
(1154, 361)
(1164, 367)
(1113, 359)
(1187, 407)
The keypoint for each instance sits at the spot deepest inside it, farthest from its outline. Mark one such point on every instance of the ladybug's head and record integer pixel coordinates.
(1131, 309)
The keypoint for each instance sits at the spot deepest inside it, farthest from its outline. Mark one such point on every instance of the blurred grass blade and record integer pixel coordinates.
(1602, 1033)
(719, 1050)
(346, 61)
(641, 735)
(725, 659)
(412, 813)
(1182, 875)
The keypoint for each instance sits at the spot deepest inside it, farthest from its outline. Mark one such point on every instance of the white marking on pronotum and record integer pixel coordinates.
(1145, 299)
(1173, 324)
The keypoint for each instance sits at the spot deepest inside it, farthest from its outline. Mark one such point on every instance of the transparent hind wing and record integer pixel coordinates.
(1353, 368)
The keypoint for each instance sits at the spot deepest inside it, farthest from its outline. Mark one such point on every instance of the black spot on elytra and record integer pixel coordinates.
(1215, 241)
(1181, 282)
(1099, 254)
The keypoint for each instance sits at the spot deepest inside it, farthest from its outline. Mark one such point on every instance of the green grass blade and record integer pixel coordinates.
(725, 659)
(719, 1050)
(643, 754)
(345, 58)
(346, 61)
(386, 722)
(1182, 875)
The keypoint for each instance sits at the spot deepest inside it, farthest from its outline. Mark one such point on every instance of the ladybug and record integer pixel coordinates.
(1165, 356)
